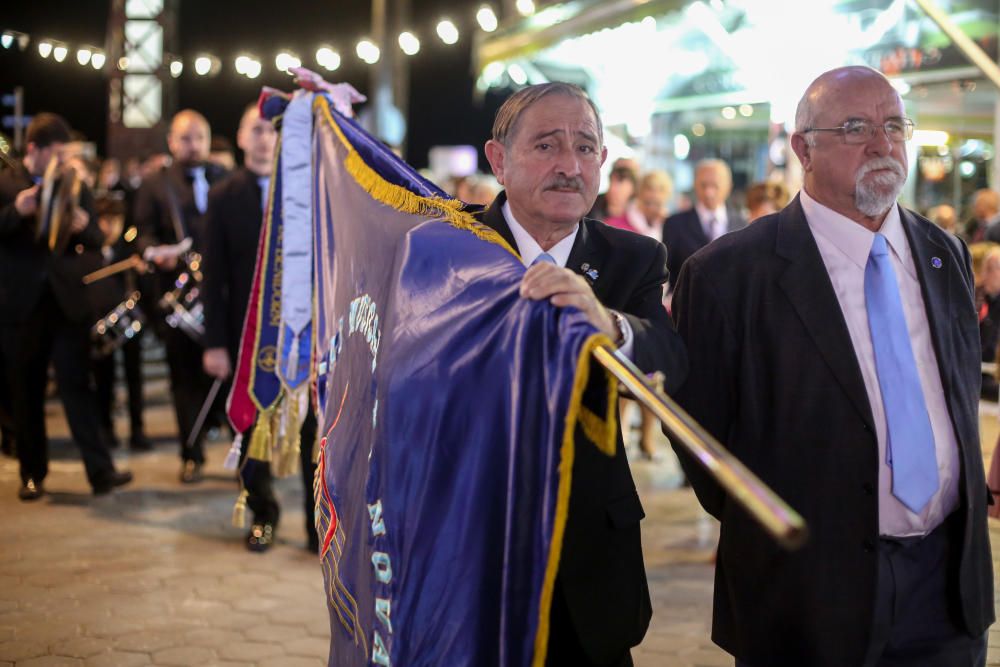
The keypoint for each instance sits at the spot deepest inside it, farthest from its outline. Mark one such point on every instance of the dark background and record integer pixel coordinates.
(442, 108)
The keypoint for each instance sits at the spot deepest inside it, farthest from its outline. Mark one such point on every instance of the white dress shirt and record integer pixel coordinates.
(707, 215)
(530, 250)
(844, 246)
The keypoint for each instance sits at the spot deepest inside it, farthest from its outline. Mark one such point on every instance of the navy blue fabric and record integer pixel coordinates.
(443, 398)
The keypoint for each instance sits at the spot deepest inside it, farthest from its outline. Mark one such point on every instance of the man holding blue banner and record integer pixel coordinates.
(546, 150)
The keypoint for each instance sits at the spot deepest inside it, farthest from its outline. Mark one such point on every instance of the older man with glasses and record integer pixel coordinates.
(834, 349)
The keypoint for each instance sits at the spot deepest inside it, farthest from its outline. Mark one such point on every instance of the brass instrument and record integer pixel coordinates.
(774, 515)
(60, 196)
(110, 209)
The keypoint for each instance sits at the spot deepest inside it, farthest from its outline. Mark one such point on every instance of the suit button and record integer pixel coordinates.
(869, 546)
(868, 488)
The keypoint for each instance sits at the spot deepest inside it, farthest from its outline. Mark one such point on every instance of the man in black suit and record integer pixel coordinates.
(835, 350)
(45, 313)
(686, 232)
(546, 150)
(235, 213)
(170, 207)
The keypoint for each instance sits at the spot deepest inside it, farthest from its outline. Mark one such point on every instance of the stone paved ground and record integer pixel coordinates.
(155, 575)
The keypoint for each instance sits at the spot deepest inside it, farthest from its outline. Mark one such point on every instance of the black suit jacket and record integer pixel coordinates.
(775, 378)
(152, 215)
(601, 574)
(27, 266)
(234, 220)
(684, 236)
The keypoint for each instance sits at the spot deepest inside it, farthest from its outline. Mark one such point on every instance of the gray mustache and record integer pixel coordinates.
(881, 163)
(563, 183)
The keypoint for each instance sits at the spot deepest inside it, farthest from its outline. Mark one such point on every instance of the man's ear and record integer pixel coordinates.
(496, 153)
(802, 150)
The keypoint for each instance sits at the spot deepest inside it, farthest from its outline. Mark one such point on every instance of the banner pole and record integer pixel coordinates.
(782, 522)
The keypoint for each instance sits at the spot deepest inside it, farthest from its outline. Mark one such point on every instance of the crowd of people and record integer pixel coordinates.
(181, 229)
(829, 341)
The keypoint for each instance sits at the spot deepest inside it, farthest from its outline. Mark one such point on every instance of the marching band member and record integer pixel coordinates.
(170, 216)
(45, 313)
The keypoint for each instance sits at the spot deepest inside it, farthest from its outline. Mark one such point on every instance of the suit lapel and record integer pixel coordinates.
(807, 285)
(935, 268)
(587, 255)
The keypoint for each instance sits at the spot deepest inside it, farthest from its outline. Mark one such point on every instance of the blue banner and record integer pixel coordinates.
(450, 408)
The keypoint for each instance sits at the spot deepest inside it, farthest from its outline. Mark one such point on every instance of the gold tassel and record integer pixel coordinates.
(260, 441)
(292, 445)
(240, 510)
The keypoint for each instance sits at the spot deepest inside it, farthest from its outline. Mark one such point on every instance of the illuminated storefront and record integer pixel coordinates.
(678, 81)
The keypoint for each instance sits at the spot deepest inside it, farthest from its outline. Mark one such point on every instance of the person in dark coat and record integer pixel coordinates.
(46, 313)
(547, 150)
(169, 211)
(685, 232)
(235, 213)
(834, 350)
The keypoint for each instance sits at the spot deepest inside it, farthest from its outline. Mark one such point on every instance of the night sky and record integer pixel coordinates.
(442, 106)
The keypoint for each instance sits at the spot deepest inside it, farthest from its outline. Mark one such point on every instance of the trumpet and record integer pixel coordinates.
(60, 196)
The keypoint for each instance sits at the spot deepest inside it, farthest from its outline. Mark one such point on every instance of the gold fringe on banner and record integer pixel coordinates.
(402, 199)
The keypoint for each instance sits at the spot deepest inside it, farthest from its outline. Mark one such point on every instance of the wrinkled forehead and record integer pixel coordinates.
(555, 113)
(867, 98)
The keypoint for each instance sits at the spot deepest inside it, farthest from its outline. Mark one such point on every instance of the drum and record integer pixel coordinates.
(182, 304)
(122, 324)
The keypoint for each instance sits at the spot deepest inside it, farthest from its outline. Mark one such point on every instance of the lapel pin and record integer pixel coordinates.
(585, 267)
(592, 274)
(936, 262)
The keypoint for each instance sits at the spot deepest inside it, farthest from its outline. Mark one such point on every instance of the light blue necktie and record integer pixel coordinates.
(199, 184)
(544, 257)
(910, 439)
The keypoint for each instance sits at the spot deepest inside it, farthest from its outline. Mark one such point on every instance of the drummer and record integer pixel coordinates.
(45, 312)
(169, 214)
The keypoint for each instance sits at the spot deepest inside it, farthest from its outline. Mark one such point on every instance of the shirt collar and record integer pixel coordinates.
(853, 240)
(719, 213)
(529, 247)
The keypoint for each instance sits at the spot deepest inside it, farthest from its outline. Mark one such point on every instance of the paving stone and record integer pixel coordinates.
(250, 651)
(210, 637)
(147, 641)
(184, 655)
(291, 661)
(119, 659)
(51, 661)
(273, 632)
(80, 647)
(308, 646)
(22, 650)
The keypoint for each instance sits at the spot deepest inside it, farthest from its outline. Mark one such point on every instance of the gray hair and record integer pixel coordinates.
(510, 112)
(717, 164)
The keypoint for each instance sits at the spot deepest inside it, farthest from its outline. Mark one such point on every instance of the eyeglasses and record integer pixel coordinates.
(859, 131)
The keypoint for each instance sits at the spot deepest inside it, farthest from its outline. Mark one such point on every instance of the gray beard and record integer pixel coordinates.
(876, 195)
